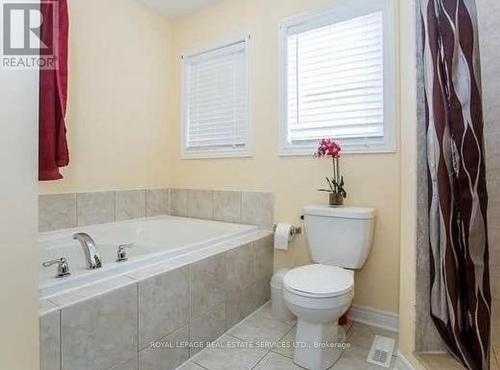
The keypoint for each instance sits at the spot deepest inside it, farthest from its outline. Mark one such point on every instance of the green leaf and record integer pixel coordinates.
(330, 184)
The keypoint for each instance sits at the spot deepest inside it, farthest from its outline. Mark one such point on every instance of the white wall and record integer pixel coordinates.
(18, 194)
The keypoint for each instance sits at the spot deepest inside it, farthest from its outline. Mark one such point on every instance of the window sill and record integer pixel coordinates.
(191, 156)
(310, 152)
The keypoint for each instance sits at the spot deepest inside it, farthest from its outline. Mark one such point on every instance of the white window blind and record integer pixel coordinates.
(216, 101)
(334, 83)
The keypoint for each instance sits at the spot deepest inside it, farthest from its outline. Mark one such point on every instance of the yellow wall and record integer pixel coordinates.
(120, 55)
(124, 123)
(408, 183)
(372, 179)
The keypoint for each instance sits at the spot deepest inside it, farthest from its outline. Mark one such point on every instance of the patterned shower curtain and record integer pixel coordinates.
(460, 288)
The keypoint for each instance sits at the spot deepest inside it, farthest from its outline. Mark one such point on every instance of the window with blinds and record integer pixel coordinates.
(334, 83)
(215, 102)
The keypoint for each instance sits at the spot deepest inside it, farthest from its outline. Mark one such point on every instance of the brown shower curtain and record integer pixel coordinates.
(458, 199)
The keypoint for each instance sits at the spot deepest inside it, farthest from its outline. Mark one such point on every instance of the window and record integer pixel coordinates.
(215, 102)
(338, 79)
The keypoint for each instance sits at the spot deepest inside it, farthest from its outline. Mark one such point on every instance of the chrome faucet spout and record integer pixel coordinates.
(90, 250)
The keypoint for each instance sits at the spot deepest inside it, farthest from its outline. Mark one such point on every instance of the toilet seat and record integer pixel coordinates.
(319, 281)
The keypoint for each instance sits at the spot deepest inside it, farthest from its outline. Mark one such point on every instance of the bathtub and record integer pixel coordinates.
(154, 240)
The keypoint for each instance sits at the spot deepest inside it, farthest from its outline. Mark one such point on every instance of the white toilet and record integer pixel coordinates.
(339, 241)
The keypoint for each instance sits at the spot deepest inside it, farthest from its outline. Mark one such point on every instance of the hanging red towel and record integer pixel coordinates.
(53, 147)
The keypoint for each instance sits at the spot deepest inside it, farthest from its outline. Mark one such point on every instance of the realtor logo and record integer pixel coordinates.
(23, 46)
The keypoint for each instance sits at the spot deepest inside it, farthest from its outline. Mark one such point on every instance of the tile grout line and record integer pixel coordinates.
(193, 359)
(282, 338)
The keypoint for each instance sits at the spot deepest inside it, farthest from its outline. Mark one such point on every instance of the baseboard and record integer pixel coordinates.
(402, 363)
(370, 316)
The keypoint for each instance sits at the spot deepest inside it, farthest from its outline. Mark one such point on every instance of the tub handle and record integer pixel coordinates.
(121, 253)
(62, 266)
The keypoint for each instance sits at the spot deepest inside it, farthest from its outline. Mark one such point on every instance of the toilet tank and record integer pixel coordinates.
(340, 236)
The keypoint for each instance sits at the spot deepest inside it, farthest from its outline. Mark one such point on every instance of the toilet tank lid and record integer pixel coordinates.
(340, 212)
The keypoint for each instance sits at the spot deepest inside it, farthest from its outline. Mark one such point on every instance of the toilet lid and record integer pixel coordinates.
(319, 280)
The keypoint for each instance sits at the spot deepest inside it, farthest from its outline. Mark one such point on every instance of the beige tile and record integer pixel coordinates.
(228, 354)
(95, 208)
(56, 211)
(169, 354)
(157, 202)
(440, 362)
(261, 292)
(347, 327)
(91, 291)
(492, 152)
(263, 258)
(234, 312)
(45, 307)
(250, 299)
(208, 289)
(494, 365)
(494, 201)
(361, 335)
(495, 335)
(128, 365)
(258, 209)
(496, 352)
(240, 304)
(354, 358)
(200, 204)
(160, 268)
(262, 326)
(163, 305)
(227, 206)
(179, 202)
(285, 346)
(206, 328)
(65, 299)
(240, 268)
(130, 205)
(274, 361)
(50, 341)
(191, 366)
(100, 333)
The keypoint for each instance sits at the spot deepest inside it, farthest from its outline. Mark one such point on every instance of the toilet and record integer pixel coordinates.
(339, 240)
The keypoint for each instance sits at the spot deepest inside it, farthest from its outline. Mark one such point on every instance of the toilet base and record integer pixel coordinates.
(319, 346)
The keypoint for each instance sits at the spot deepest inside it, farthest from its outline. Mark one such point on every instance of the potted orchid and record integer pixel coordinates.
(328, 148)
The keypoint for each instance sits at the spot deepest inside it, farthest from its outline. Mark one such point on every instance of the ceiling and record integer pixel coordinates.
(176, 8)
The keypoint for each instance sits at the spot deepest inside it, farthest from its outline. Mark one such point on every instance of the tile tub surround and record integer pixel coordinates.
(64, 211)
(252, 208)
(113, 324)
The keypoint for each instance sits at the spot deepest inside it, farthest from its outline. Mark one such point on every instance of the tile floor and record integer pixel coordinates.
(232, 352)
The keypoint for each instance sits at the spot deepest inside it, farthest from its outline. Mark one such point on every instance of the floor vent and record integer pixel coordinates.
(381, 351)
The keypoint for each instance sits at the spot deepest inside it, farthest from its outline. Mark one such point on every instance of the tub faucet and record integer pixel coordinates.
(90, 250)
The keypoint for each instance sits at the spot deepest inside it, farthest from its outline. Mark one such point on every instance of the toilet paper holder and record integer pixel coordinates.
(293, 231)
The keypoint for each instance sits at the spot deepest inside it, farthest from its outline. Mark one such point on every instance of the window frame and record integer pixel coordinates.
(343, 12)
(246, 150)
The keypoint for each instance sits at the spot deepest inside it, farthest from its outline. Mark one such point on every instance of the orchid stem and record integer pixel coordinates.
(338, 171)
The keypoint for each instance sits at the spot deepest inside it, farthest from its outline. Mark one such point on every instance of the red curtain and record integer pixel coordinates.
(53, 147)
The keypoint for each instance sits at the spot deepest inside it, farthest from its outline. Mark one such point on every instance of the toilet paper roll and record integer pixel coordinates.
(282, 236)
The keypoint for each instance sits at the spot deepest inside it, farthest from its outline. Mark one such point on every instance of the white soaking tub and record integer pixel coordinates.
(154, 240)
